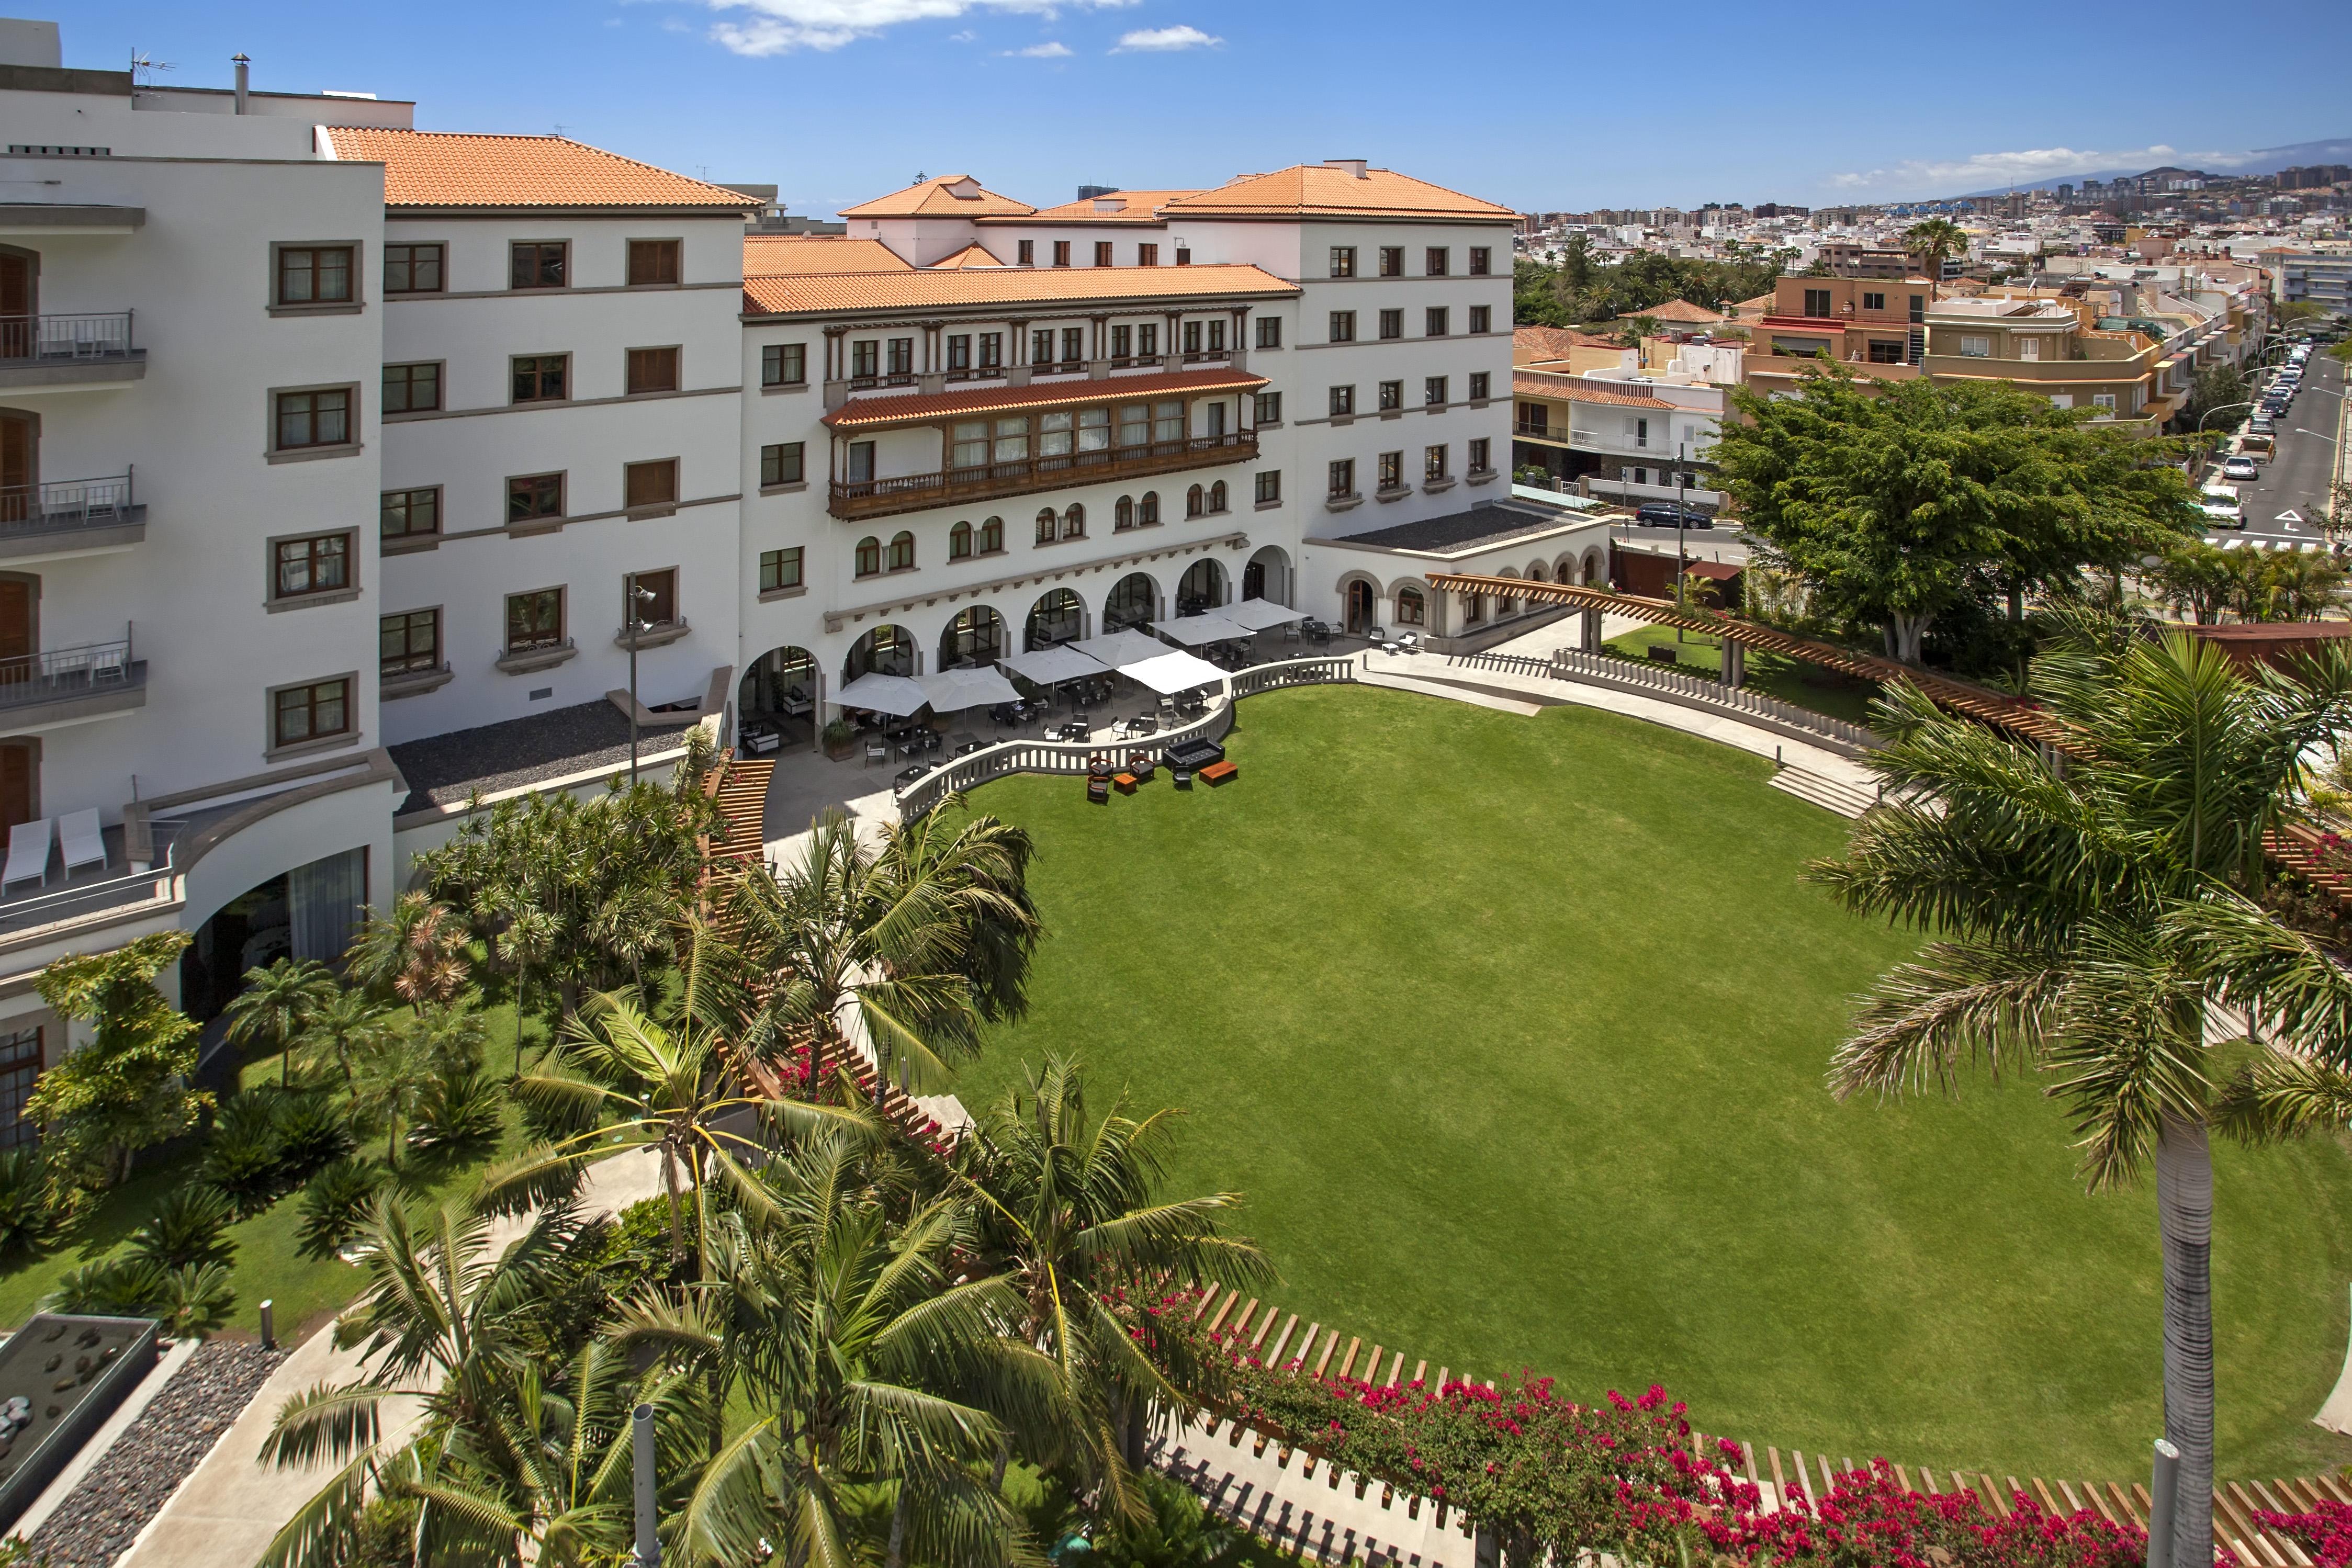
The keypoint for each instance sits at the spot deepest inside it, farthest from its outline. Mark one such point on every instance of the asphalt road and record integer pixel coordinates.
(2296, 477)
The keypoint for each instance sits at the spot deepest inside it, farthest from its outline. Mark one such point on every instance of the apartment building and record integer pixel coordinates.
(2321, 275)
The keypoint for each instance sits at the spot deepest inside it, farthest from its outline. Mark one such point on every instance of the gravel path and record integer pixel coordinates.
(126, 1488)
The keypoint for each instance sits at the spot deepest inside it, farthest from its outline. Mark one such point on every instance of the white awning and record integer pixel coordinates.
(952, 691)
(894, 695)
(1175, 672)
(1195, 630)
(1119, 649)
(1048, 665)
(1260, 613)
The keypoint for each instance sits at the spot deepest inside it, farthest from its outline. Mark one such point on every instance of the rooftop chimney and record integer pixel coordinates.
(243, 65)
(1351, 165)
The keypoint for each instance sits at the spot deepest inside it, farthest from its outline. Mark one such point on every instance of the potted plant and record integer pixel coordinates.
(840, 738)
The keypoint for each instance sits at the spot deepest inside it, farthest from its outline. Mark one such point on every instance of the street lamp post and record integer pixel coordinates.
(634, 597)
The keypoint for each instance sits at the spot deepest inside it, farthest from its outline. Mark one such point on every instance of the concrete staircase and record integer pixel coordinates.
(1829, 794)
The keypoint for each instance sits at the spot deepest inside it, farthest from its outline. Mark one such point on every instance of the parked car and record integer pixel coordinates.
(2260, 425)
(1665, 514)
(2237, 468)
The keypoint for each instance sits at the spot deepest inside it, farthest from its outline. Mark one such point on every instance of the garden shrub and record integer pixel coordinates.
(313, 1132)
(30, 1211)
(460, 1110)
(2325, 1534)
(336, 1201)
(194, 1299)
(185, 1227)
(245, 1156)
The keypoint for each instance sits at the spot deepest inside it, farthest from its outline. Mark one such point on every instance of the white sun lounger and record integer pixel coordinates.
(78, 835)
(28, 852)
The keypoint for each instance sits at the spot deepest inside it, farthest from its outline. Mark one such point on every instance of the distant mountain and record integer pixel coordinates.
(2262, 160)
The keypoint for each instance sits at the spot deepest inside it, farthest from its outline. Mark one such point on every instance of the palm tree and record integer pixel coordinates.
(276, 1003)
(416, 953)
(395, 1068)
(345, 1026)
(529, 937)
(2089, 913)
(978, 874)
(1937, 239)
(1068, 1213)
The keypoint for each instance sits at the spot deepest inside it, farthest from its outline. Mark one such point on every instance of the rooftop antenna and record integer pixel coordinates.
(560, 129)
(140, 62)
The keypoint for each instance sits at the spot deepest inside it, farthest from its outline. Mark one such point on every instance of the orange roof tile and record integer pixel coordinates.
(1314, 190)
(452, 169)
(773, 254)
(973, 254)
(1134, 207)
(940, 197)
(1577, 389)
(928, 288)
(1554, 342)
(1676, 311)
(864, 413)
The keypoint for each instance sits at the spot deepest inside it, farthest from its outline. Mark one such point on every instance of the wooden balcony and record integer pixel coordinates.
(853, 498)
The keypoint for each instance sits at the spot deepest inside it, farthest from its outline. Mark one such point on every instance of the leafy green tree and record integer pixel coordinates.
(2091, 921)
(276, 1004)
(126, 1090)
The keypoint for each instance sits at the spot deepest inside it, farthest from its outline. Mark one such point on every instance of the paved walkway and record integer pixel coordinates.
(1310, 1508)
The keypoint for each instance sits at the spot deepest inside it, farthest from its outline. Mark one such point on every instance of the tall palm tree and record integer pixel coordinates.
(1937, 239)
(345, 1027)
(1067, 1211)
(394, 1068)
(977, 875)
(2089, 913)
(276, 1004)
(416, 953)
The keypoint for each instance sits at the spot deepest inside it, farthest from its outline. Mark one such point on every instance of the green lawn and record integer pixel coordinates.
(1766, 673)
(1514, 1031)
(269, 1262)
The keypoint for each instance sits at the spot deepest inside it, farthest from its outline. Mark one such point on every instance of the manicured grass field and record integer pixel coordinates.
(1514, 1032)
(1770, 673)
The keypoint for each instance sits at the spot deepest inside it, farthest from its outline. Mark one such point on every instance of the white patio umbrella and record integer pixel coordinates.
(894, 695)
(1175, 672)
(1049, 666)
(1257, 614)
(1119, 649)
(952, 691)
(1192, 631)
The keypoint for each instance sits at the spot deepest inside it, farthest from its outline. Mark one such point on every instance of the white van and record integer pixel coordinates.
(2222, 506)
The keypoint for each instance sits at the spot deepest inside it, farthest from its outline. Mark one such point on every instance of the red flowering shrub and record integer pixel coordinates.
(2325, 1535)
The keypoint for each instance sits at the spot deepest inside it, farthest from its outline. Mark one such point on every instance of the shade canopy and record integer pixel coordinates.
(951, 690)
(894, 695)
(1195, 630)
(1120, 649)
(1047, 665)
(1257, 614)
(1173, 672)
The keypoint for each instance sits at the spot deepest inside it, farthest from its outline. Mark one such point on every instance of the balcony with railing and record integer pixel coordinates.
(78, 350)
(61, 684)
(991, 481)
(66, 516)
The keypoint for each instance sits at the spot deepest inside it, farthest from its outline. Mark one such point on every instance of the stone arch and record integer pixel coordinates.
(1359, 610)
(1411, 606)
(780, 689)
(1267, 575)
(1596, 569)
(1133, 601)
(1503, 607)
(959, 542)
(888, 649)
(1564, 570)
(1204, 586)
(976, 637)
(1058, 616)
(1537, 571)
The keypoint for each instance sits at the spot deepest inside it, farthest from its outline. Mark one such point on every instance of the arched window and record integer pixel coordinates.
(1192, 498)
(1147, 511)
(959, 542)
(869, 556)
(992, 536)
(902, 552)
(1074, 522)
(1045, 525)
(1536, 572)
(1217, 497)
(1410, 609)
(1122, 516)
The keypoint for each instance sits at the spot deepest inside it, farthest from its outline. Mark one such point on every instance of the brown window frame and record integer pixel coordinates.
(312, 700)
(783, 365)
(402, 384)
(1482, 319)
(650, 371)
(1342, 327)
(541, 375)
(1392, 325)
(1061, 253)
(406, 509)
(314, 557)
(772, 569)
(409, 661)
(315, 413)
(658, 257)
(1269, 332)
(536, 640)
(1269, 486)
(657, 614)
(1103, 249)
(1390, 473)
(1481, 455)
(1341, 477)
(1482, 385)
(1343, 261)
(650, 484)
(1147, 256)
(539, 251)
(523, 486)
(783, 463)
(281, 272)
(409, 256)
(1391, 261)
(1391, 395)
(1437, 261)
(1482, 261)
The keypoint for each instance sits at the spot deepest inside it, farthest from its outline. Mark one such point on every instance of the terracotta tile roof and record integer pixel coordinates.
(1314, 190)
(940, 197)
(451, 169)
(973, 254)
(1134, 207)
(1678, 310)
(1576, 389)
(776, 254)
(865, 412)
(928, 288)
(1554, 342)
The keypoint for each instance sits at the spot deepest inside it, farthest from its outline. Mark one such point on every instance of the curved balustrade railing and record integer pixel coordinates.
(1689, 691)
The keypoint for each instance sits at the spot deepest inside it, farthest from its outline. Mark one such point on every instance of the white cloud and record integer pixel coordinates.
(966, 36)
(782, 26)
(1040, 52)
(1981, 171)
(1147, 40)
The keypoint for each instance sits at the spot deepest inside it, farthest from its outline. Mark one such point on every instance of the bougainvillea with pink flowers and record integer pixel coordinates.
(2325, 1535)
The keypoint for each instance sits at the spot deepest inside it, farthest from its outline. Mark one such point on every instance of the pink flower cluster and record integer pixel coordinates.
(2325, 1534)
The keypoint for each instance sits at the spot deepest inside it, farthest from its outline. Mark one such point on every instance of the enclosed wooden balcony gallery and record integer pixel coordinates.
(907, 453)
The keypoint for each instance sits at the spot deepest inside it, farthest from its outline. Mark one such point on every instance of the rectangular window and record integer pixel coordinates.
(783, 365)
(1437, 321)
(1054, 435)
(542, 378)
(865, 358)
(780, 568)
(1191, 336)
(314, 419)
(413, 268)
(1269, 485)
(1183, 256)
(1637, 431)
(1918, 308)
(991, 350)
(314, 275)
(1343, 401)
(1061, 253)
(1269, 332)
(1094, 430)
(1343, 261)
(783, 463)
(318, 564)
(411, 388)
(1392, 324)
(2103, 400)
(1012, 440)
(1102, 253)
(653, 371)
(538, 264)
(901, 361)
(1481, 319)
(661, 609)
(1391, 395)
(1343, 327)
(1073, 345)
(534, 498)
(1168, 420)
(653, 261)
(408, 644)
(1873, 302)
(959, 351)
(1817, 302)
(1028, 253)
(1976, 347)
(1343, 476)
(1432, 462)
(1122, 342)
(1884, 353)
(1480, 381)
(1135, 425)
(1392, 470)
(1268, 408)
(1478, 455)
(861, 462)
(967, 443)
(412, 514)
(534, 619)
(1482, 261)
(318, 711)
(1041, 346)
(1146, 340)
(1391, 261)
(1433, 390)
(1147, 256)
(1437, 261)
(1216, 335)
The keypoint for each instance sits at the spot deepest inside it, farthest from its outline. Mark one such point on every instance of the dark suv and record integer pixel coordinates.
(1666, 515)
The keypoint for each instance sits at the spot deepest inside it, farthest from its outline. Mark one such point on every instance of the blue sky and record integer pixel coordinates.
(1542, 105)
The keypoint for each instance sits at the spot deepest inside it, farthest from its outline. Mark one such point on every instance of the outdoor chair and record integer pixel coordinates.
(1290, 632)
(28, 852)
(1098, 788)
(1375, 634)
(1180, 776)
(875, 752)
(78, 836)
(1410, 641)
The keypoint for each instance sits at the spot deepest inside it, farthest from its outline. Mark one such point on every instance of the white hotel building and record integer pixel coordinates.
(329, 447)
